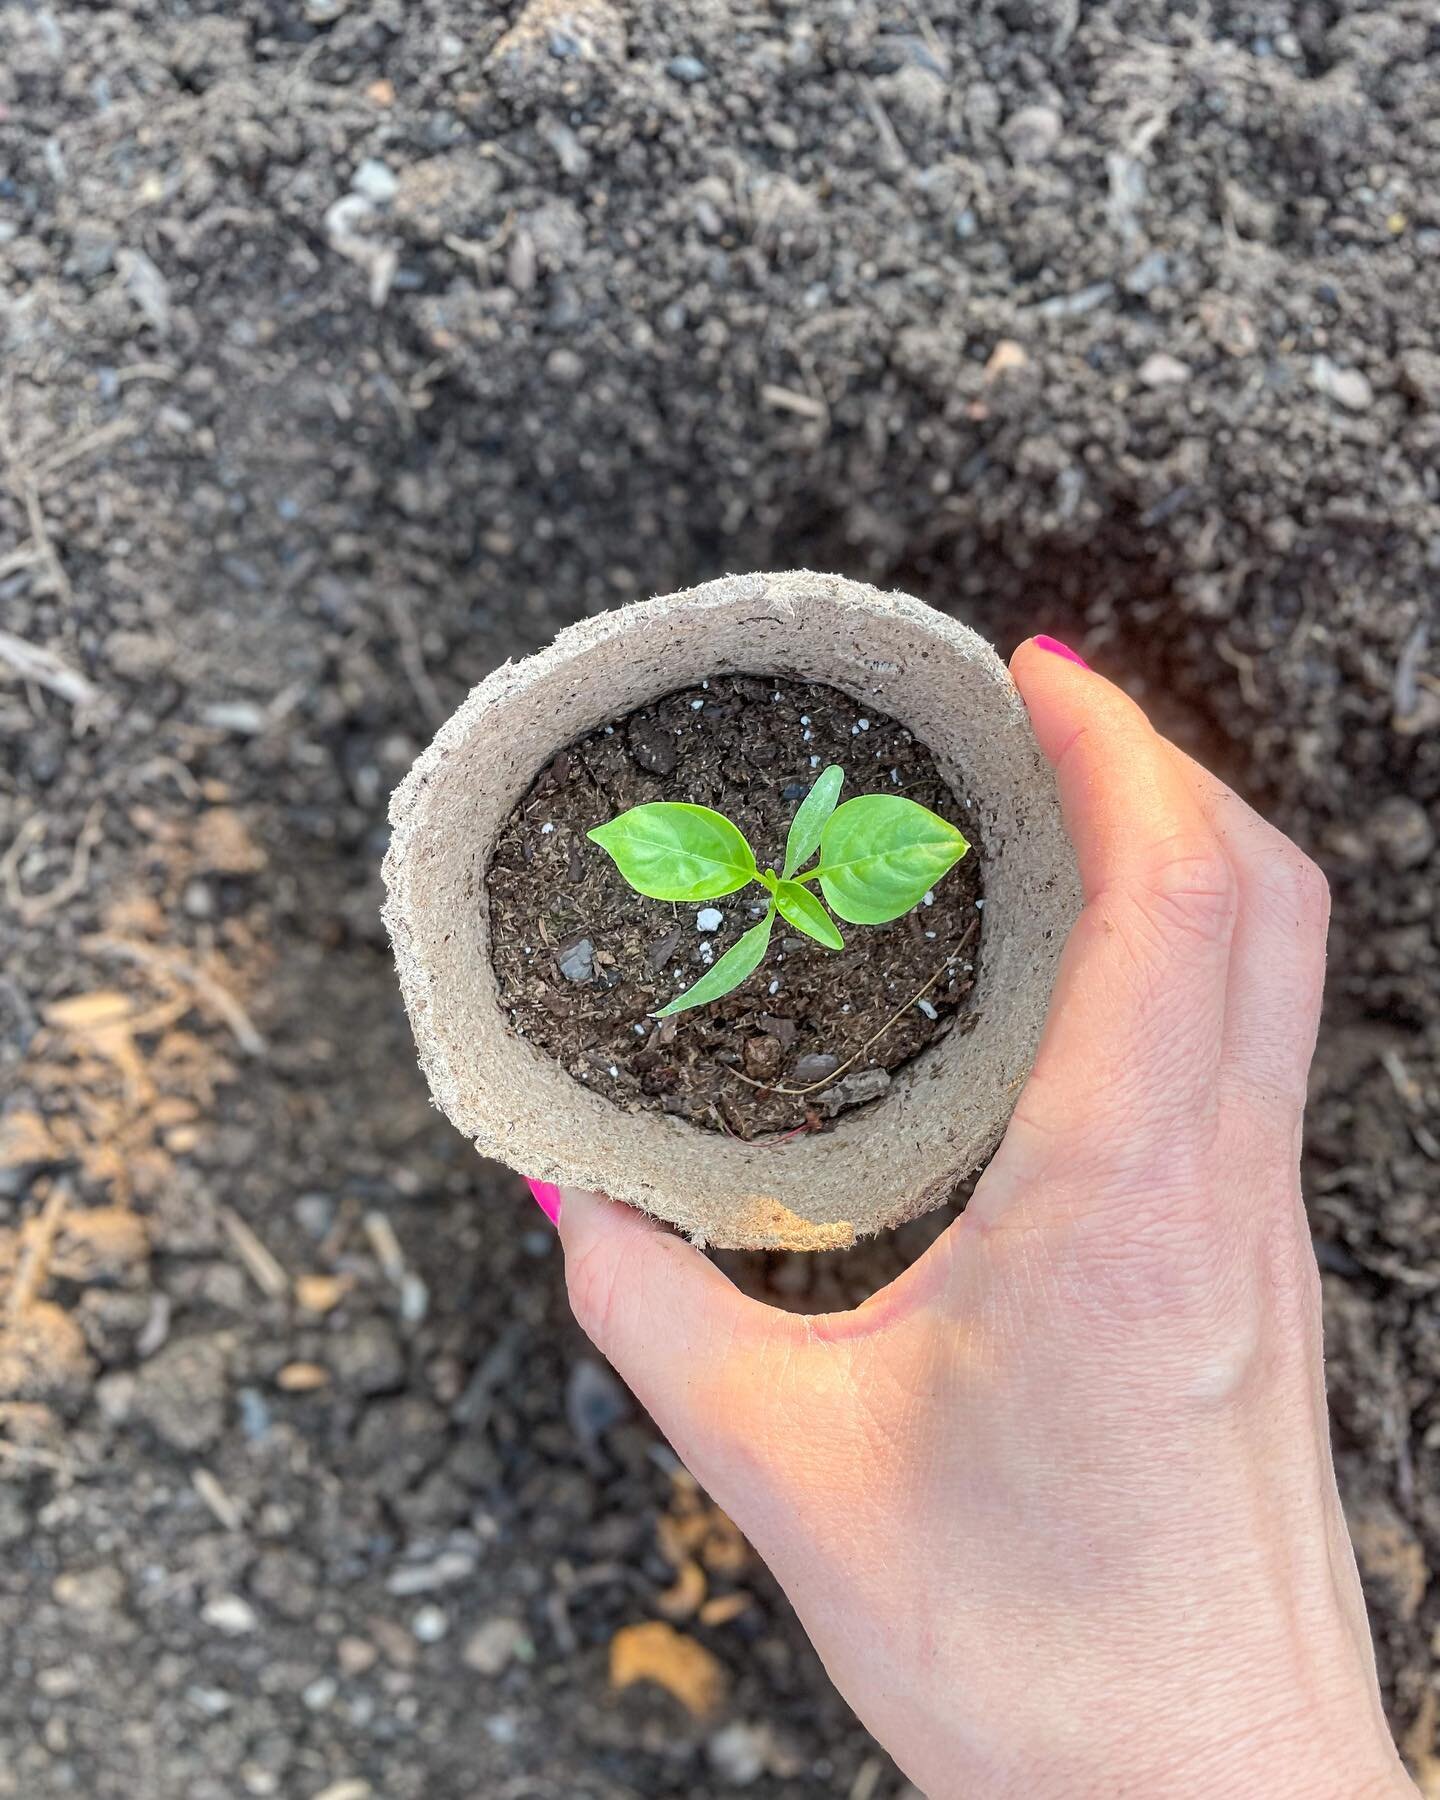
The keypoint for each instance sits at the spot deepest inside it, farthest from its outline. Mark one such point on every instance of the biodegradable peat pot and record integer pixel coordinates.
(943, 1113)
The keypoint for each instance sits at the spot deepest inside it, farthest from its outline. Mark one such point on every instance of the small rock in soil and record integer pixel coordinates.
(180, 1394)
(493, 1646)
(739, 1753)
(430, 1624)
(763, 1056)
(652, 747)
(1162, 370)
(443, 1571)
(1346, 387)
(577, 960)
(230, 1614)
(1420, 377)
(1032, 133)
(96, 1591)
(815, 1068)
(1402, 832)
(854, 1090)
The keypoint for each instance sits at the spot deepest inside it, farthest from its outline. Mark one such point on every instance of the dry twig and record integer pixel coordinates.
(207, 991)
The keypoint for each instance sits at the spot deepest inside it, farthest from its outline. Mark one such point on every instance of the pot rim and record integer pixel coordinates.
(944, 1112)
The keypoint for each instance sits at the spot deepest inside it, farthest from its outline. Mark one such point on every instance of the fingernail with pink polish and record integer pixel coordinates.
(547, 1198)
(1056, 648)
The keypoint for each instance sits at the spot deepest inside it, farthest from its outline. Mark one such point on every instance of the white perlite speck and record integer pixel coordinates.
(709, 918)
(928, 1010)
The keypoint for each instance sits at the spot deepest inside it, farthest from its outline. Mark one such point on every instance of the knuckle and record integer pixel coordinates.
(1191, 888)
(1291, 884)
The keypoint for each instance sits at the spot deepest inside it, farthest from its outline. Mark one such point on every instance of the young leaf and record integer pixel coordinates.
(740, 960)
(809, 820)
(806, 913)
(668, 850)
(879, 853)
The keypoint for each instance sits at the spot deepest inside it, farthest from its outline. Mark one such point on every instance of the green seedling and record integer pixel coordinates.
(880, 854)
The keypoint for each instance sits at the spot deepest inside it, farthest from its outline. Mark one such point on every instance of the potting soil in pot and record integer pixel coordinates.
(582, 960)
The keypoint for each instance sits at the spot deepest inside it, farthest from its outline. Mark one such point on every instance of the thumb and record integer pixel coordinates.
(685, 1340)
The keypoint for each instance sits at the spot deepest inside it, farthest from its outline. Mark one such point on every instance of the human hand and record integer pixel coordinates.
(1057, 1507)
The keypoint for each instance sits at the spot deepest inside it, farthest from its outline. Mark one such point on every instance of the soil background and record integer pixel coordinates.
(349, 347)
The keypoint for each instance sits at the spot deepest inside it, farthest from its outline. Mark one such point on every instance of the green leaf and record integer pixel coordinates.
(809, 820)
(740, 960)
(880, 853)
(806, 913)
(671, 851)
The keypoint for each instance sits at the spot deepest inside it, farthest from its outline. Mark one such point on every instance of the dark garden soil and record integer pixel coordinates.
(350, 347)
(582, 960)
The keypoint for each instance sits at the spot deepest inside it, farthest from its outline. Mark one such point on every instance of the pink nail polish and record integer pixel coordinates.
(547, 1198)
(1056, 648)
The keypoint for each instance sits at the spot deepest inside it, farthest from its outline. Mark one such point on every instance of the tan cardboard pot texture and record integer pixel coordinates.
(942, 1113)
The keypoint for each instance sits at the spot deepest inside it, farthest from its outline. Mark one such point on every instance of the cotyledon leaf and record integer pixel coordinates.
(741, 959)
(669, 850)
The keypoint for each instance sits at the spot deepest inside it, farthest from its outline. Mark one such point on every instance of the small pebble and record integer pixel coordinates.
(230, 1614)
(688, 69)
(1161, 370)
(375, 180)
(318, 1695)
(493, 1645)
(430, 1624)
(1346, 387)
(864, 724)
(577, 962)
(928, 1009)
